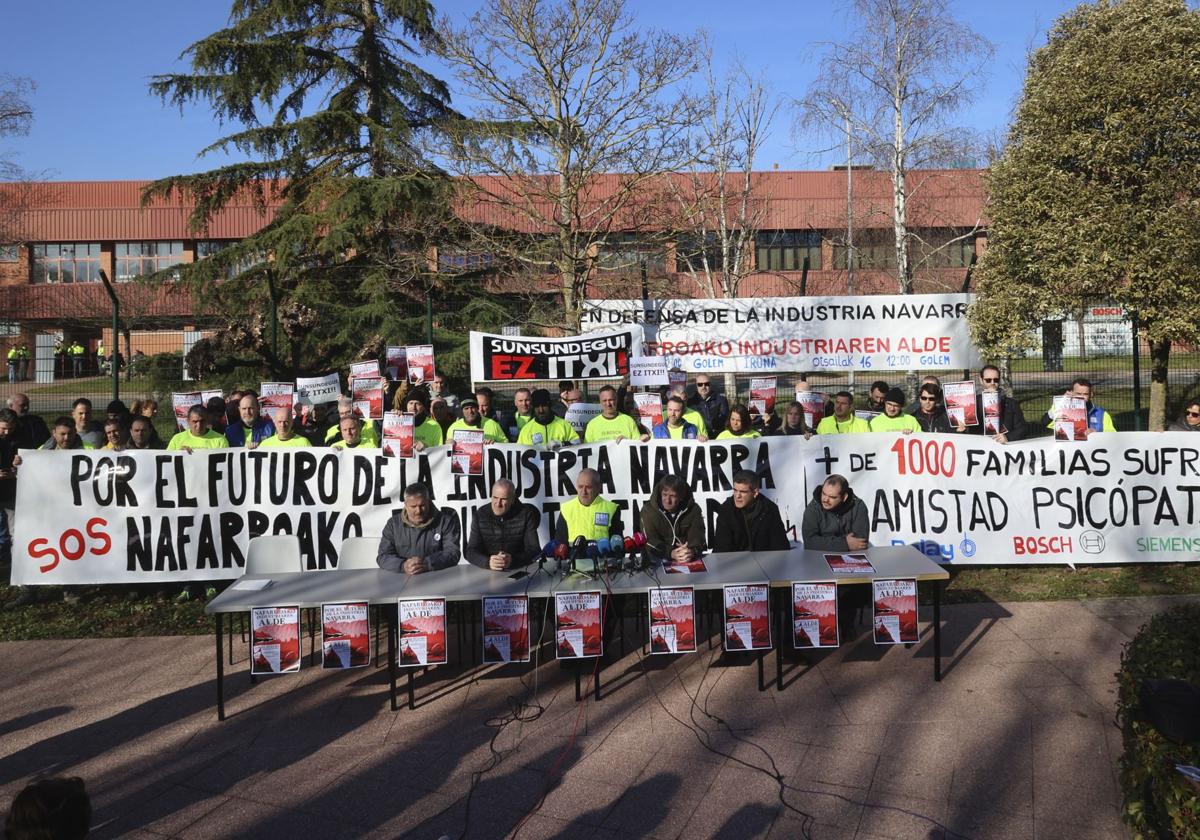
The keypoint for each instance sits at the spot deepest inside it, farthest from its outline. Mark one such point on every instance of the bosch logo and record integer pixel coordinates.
(1092, 542)
(1042, 545)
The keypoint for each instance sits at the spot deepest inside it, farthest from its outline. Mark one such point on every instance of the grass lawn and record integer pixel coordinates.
(107, 612)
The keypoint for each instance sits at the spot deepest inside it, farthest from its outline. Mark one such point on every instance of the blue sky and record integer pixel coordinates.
(96, 120)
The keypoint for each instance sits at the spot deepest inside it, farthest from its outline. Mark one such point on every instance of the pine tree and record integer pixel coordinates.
(332, 112)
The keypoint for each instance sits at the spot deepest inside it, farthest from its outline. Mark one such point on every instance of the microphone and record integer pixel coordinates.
(578, 547)
(561, 552)
(616, 551)
(639, 545)
(548, 551)
(593, 553)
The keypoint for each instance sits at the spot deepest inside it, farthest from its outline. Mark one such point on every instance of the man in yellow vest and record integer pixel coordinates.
(588, 515)
(13, 364)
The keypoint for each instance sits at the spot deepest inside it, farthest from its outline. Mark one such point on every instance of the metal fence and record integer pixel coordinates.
(71, 353)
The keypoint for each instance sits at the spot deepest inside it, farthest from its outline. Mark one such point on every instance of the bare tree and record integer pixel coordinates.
(910, 66)
(578, 117)
(16, 118)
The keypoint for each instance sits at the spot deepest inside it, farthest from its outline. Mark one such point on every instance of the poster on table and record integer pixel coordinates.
(650, 409)
(762, 397)
(505, 629)
(399, 434)
(799, 334)
(421, 368)
(466, 453)
(648, 371)
(747, 616)
(274, 640)
(580, 414)
(273, 396)
(814, 615)
(181, 404)
(512, 358)
(813, 404)
(578, 625)
(367, 395)
(164, 518)
(396, 364)
(345, 635)
(991, 413)
(422, 624)
(1070, 418)
(366, 369)
(672, 619)
(894, 607)
(849, 564)
(960, 403)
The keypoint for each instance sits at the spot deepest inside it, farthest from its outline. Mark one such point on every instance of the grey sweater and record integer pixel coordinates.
(826, 530)
(439, 541)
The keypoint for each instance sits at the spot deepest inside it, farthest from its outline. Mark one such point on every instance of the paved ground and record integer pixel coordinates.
(1017, 741)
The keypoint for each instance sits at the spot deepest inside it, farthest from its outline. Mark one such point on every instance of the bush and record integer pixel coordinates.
(1159, 802)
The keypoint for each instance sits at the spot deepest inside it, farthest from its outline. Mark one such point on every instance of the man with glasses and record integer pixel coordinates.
(710, 405)
(1010, 421)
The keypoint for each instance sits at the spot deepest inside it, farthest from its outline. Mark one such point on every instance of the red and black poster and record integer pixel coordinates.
(895, 607)
(505, 358)
(578, 625)
(747, 616)
(814, 615)
(275, 640)
(422, 631)
(672, 620)
(345, 635)
(505, 629)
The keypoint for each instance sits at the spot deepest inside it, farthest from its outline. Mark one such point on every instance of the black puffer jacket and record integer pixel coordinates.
(757, 528)
(826, 530)
(664, 531)
(516, 533)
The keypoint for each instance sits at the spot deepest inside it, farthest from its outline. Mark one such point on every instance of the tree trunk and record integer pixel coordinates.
(1160, 356)
(731, 392)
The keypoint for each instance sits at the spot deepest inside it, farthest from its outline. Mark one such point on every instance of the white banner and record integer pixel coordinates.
(96, 517)
(508, 358)
(743, 335)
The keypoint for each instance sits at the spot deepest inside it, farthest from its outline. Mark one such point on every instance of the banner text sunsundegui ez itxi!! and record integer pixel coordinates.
(97, 517)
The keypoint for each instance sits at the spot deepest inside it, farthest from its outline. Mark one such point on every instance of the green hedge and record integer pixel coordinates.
(1159, 802)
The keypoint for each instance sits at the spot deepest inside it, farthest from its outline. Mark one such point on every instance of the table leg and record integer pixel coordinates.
(231, 638)
(578, 695)
(392, 662)
(937, 631)
(781, 626)
(412, 695)
(762, 680)
(596, 677)
(218, 621)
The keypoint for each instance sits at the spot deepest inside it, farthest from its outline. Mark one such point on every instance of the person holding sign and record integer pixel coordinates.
(546, 429)
(474, 421)
(748, 520)
(197, 435)
(843, 421)
(836, 519)
(674, 426)
(1098, 420)
(673, 522)
(504, 532)
(931, 413)
(740, 424)
(285, 436)
(352, 436)
(345, 408)
(611, 424)
(893, 418)
(426, 431)
(1009, 421)
(588, 515)
(251, 428)
(420, 538)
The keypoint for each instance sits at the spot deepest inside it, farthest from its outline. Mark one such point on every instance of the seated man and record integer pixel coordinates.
(835, 519)
(673, 522)
(749, 521)
(352, 436)
(285, 436)
(843, 420)
(504, 533)
(545, 429)
(251, 428)
(611, 424)
(588, 515)
(420, 538)
(197, 435)
(473, 421)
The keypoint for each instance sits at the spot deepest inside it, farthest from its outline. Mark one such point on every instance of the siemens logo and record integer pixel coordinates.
(1171, 544)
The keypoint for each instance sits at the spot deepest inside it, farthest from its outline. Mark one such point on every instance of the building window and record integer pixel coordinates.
(626, 252)
(873, 249)
(10, 253)
(786, 250)
(136, 259)
(209, 247)
(695, 252)
(940, 248)
(71, 262)
(453, 260)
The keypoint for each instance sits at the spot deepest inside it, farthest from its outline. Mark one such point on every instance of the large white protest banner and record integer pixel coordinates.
(94, 517)
(744, 335)
(600, 355)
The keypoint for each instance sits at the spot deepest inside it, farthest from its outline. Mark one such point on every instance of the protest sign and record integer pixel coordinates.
(650, 409)
(398, 434)
(181, 403)
(396, 364)
(367, 394)
(506, 358)
(648, 371)
(276, 395)
(314, 390)
(421, 368)
(960, 403)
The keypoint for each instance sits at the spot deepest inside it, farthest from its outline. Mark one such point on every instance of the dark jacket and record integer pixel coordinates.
(1012, 419)
(757, 528)
(516, 532)
(826, 530)
(936, 421)
(714, 410)
(31, 431)
(665, 530)
(438, 542)
(8, 486)
(1181, 425)
(262, 429)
